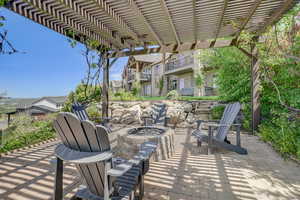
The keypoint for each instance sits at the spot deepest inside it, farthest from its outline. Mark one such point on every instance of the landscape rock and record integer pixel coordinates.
(132, 112)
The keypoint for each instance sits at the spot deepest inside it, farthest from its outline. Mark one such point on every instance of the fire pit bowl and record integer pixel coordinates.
(129, 141)
(146, 131)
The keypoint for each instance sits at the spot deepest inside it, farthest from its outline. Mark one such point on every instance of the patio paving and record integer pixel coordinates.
(189, 175)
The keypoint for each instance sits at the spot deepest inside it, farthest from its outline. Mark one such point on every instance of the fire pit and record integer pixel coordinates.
(146, 131)
(130, 139)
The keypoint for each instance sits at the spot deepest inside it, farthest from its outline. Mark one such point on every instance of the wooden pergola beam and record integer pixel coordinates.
(174, 48)
(195, 30)
(221, 20)
(276, 15)
(250, 14)
(169, 18)
(137, 11)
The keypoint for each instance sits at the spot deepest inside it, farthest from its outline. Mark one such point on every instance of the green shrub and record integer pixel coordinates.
(283, 134)
(173, 95)
(136, 88)
(122, 95)
(24, 132)
(217, 112)
(83, 94)
(94, 113)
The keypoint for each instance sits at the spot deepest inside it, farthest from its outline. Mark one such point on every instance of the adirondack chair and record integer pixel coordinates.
(158, 115)
(222, 128)
(88, 147)
(79, 110)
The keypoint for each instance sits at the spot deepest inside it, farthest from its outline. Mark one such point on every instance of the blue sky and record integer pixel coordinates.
(50, 66)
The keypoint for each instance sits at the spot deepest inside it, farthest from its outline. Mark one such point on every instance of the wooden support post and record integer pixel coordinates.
(105, 88)
(138, 72)
(165, 79)
(58, 190)
(255, 85)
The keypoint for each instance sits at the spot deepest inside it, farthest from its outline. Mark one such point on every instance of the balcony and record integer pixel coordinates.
(143, 77)
(181, 65)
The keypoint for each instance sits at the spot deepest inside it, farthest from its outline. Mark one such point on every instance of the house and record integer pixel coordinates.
(179, 73)
(38, 108)
(115, 85)
(139, 69)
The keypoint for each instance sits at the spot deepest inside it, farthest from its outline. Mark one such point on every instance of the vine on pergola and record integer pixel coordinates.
(96, 56)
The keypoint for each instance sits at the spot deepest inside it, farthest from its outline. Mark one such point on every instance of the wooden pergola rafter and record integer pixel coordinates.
(169, 18)
(134, 27)
(141, 17)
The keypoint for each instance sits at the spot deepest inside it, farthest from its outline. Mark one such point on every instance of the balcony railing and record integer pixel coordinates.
(179, 63)
(131, 77)
(143, 76)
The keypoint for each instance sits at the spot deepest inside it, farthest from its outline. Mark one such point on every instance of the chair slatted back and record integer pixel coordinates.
(86, 137)
(159, 113)
(79, 110)
(230, 113)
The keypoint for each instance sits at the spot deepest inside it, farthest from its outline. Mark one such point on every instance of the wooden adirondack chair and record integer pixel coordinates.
(158, 115)
(88, 147)
(222, 128)
(79, 110)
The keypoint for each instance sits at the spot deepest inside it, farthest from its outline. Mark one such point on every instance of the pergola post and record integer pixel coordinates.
(165, 80)
(255, 84)
(105, 88)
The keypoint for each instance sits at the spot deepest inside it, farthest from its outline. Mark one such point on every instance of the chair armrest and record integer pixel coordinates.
(217, 125)
(106, 119)
(120, 169)
(78, 157)
(199, 122)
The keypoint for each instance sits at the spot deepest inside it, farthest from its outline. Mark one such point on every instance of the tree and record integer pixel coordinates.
(96, 56)
(6, 46)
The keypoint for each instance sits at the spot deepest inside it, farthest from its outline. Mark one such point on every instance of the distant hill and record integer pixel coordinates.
(10, 104)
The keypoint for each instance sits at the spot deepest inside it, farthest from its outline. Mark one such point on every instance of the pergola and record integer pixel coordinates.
(134, 27)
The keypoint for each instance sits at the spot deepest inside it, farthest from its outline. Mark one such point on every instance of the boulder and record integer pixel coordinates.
(131, 115)
(188, 107)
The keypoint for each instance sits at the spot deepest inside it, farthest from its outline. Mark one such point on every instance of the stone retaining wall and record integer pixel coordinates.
(181, 113)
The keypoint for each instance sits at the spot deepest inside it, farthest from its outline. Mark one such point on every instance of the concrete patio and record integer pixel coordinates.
(189, 175)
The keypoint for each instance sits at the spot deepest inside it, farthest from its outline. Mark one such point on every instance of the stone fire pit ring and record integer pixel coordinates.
(129, 141)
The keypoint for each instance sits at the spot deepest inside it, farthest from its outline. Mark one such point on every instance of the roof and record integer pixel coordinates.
(38, 109)
(44, 108)
(53, 99)
(138, 25)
